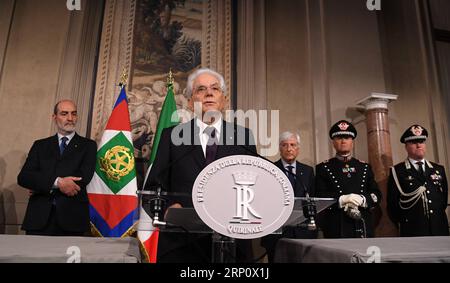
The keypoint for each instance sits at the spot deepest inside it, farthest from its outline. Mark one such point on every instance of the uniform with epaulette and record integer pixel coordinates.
(351, 182)
(418, 191)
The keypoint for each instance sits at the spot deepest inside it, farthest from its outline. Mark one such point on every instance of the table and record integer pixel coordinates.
(401, 249)
(45, 249)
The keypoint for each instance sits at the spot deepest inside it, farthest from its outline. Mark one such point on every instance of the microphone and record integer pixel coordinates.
(310, 211)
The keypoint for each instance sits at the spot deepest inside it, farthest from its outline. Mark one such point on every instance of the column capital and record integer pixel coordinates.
(376, 100)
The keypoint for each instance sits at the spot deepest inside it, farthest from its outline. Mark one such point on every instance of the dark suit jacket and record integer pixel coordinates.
(43, 165)
(304, 177)
(178, 162)
(176, 166)
(413, 221)
(304, 182)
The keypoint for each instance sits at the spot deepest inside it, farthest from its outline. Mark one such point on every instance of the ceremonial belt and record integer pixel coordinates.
(413, 196)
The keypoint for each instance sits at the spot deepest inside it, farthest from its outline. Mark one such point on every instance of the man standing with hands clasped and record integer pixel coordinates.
(56, 172)
(352, 183)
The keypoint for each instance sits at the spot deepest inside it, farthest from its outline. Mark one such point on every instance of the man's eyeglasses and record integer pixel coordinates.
(287, 145)
(202, 90)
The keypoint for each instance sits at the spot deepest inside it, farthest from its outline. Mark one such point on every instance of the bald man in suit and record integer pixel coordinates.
(56, 172)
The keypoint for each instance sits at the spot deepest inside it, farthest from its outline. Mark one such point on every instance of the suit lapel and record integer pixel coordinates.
(73, 145)
(427, 171)
(54, 145)
(301, 178)
(198, 154)
(299, 188)
(224, 136)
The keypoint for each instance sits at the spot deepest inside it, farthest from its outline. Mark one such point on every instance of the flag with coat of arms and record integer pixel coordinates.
(113, 203)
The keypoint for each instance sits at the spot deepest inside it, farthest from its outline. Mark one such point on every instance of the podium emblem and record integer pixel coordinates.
(243, 197)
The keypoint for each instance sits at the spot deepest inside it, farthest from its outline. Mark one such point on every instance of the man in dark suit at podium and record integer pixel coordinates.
(56, 172)
(301, 177)
(184, 150)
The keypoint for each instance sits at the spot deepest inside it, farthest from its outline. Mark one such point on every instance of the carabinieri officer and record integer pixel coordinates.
(352, 183)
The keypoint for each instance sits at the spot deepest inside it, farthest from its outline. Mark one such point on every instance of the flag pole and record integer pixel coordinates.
(170, 80)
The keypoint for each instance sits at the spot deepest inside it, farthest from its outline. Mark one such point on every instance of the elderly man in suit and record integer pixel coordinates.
(301, 177)
(184, 150)
(57, 171)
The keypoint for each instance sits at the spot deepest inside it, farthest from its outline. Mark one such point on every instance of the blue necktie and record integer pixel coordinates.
(63, 144)
(291, 175)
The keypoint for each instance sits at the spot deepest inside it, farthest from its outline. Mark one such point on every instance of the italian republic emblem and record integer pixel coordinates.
(117, 162)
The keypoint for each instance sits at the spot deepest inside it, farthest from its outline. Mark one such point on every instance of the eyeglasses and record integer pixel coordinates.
(202, 90)
(287, 145)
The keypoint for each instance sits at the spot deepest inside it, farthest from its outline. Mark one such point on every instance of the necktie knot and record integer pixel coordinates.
(210, 131)
(290, 168)
(63, 144)
(420, 168)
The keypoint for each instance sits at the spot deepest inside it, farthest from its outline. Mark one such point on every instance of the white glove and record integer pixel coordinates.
(354, 199)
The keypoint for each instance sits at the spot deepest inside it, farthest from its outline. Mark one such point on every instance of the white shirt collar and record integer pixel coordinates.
(414, 162)
(293, 164)
(69, 137)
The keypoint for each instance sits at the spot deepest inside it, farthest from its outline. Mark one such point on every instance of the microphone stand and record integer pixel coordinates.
(155, 204)
(310, 211)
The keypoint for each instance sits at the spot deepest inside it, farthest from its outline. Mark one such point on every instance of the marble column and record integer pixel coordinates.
(380, 153)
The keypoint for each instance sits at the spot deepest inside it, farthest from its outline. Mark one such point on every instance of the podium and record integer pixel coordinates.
(297, 217)
(238, 197)
(186, 220)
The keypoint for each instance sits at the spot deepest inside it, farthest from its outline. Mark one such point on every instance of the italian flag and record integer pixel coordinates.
(147, 234)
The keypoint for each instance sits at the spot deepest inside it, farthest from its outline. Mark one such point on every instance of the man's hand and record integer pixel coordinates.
(68, 186)
(175, 205)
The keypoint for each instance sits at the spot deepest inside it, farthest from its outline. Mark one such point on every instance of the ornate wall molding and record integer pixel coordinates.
(217, 38)
(116, 49)
(6, 17)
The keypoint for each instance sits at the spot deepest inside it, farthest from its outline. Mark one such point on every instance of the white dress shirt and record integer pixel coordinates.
(69, 138)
